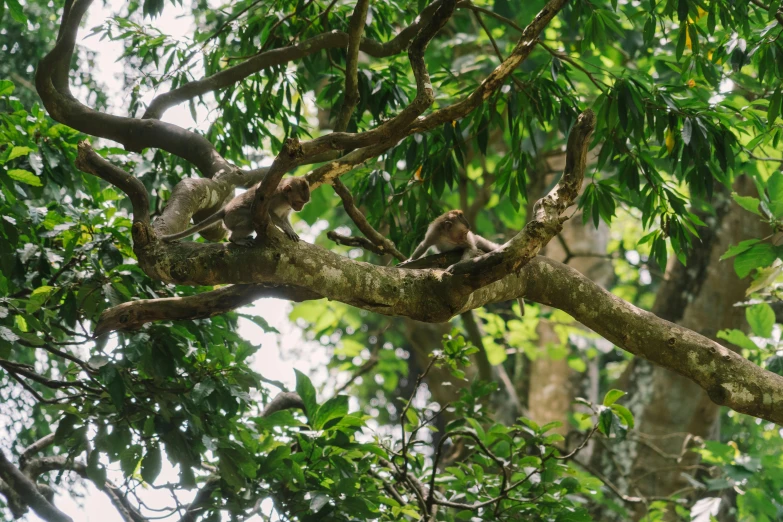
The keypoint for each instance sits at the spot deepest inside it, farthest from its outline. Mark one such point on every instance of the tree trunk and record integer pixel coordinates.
(669, 409)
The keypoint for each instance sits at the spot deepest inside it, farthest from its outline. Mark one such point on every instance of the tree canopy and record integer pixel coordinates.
(640, 139)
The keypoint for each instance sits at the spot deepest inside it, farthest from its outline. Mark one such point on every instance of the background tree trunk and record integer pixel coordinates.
(670, 410)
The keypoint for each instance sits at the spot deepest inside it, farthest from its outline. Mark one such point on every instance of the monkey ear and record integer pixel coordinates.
(447, 225)
(287, 188)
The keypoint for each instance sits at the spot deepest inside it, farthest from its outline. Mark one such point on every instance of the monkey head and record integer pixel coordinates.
(456, 226)
(297, 192)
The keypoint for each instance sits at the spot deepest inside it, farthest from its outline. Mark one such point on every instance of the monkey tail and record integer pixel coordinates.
(211, 220)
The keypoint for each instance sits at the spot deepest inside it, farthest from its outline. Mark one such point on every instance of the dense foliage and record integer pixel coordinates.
(688, 98)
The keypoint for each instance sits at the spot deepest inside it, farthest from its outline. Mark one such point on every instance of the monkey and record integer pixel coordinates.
(451, 231)
(291, 194)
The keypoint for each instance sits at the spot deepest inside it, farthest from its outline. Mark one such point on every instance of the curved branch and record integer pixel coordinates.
(28, 492)
(34, 448)
(197, 198)
(135, 314)
(496, 78)
(547, 223)
(91, 162)
(274, 57)
(294, 153)
(63, 462)
(426, 295)
(51, 82)
(351, 94)
(525, 46)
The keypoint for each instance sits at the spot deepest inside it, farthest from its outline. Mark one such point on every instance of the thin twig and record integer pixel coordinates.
(384, 244)
(467, 4)
(495, 46)
(564, 57)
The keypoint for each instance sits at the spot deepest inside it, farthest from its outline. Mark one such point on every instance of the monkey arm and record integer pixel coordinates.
(285, 225)
(471, 248)
(211, 220)
(485, 244)
(422, 248)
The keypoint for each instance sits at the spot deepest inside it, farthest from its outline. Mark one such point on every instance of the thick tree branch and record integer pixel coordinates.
(547, 222)
(351, 93)
(496, 78)
(135, 314)
(28, 492)
(525, 46)
(35, 447)
(91, 162)
(424, 295)
(383, 244)
(294, 153)
(51, 81)
(35, 467)
(275, 57)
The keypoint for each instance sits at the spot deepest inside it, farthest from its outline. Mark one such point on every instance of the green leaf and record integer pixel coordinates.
(19, 151)
(25, 176)
(17, 13)
(749, 203)
(775, 190)
(738, 249)
(38, 298)
(150, 466)
(306, 391)
(334, 408)
(6, 87)
(687, 131)
(681, 41)
(625, 414)
(759, 256)
(649, 30)
(612, 396)
(202, 390)
(737, 337)
(260, 321)
(605, 421)
(477, 428)
(775, 364)
(95, 471)
(773, 111)
(682, 12)
(761, 319)
(115, 385)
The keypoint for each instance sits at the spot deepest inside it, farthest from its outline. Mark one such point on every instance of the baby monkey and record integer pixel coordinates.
(291, 194)
(451, 231)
